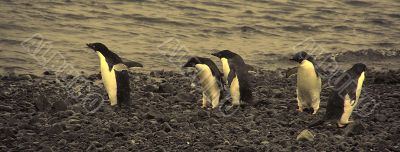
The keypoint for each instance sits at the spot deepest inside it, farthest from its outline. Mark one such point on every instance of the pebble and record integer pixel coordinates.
(380, 117)
(166, 127)
(5, 108)
(355, 128)
(49, 73)
(60, 105)
(166, 88)
(56, 128)
(305, 135)
(150, 88)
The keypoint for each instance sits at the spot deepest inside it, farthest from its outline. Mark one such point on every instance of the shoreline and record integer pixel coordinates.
(39, 114)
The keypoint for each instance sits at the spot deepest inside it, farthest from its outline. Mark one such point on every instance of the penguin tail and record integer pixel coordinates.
(316, 123)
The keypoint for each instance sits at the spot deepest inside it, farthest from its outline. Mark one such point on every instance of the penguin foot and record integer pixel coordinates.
(341, 125)
(299, 109)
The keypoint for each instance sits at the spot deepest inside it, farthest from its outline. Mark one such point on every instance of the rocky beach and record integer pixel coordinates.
(53, 112)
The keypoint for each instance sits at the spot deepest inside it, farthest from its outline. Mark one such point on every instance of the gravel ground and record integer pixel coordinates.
(54, 113)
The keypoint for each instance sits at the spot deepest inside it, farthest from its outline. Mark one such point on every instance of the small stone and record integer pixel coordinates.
(166, 127)
(6, 108)
(213, 121)
(150, 88)
(305, 135)
(247, 149)
(60, 105)
(355, 128)
(166, 88)
(202, 113)
(161, 133)
(277, 93)
(114, 127)
(265, 142)
(25, 77)
(149, 94)
(119, 134)
(249, 118)
(380, 117)
(41, 103)
(49, 73)
(56, 128)
(62, 142)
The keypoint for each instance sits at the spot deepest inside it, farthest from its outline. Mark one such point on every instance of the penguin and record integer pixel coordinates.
(236, 76)
(210, 79)
(308, 82)
(345, 96)
(114, 74)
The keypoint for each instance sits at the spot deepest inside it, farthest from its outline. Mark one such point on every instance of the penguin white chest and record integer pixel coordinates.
(209, 84)
(225, 68)
(308, 85)
(109, 79)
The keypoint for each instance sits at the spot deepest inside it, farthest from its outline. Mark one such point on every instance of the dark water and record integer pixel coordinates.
(162, 34)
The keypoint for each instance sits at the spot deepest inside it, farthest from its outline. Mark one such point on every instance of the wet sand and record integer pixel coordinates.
(44, 113)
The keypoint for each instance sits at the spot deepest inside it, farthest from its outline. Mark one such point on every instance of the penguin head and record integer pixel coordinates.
(224, 54)
(359, 68)
(100, 47)
(300, 56)
(192, 62)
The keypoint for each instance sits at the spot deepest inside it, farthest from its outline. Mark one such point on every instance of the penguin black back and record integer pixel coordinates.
(240, 68)
(345, 85)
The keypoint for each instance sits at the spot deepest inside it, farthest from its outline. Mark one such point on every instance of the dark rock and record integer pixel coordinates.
(156, 115)
(355, 128)
(166, 127)
(166, 88)
(56, 128)
(149, 94)
(49, 73)
(41, 103)
(62, 142)
(150, 88)
(25, 77)
(60, 105)
(202, 113)
(5, 108)
(160, 133)
(114, 127)
(277, 93)
(119, 134)
(46, 148)
(380, 117)
(247, 149)
(183, 96)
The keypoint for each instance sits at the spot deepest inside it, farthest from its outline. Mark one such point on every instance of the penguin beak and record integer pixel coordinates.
(90, 45)
(187, 65)
(215, 54)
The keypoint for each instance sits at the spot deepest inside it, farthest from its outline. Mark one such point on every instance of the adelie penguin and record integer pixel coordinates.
(210, 79)
(345, 96)
(236, 76)
(308, 82)
(114, 74)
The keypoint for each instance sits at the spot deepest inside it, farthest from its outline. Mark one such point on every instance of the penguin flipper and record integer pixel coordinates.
(231, 76)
